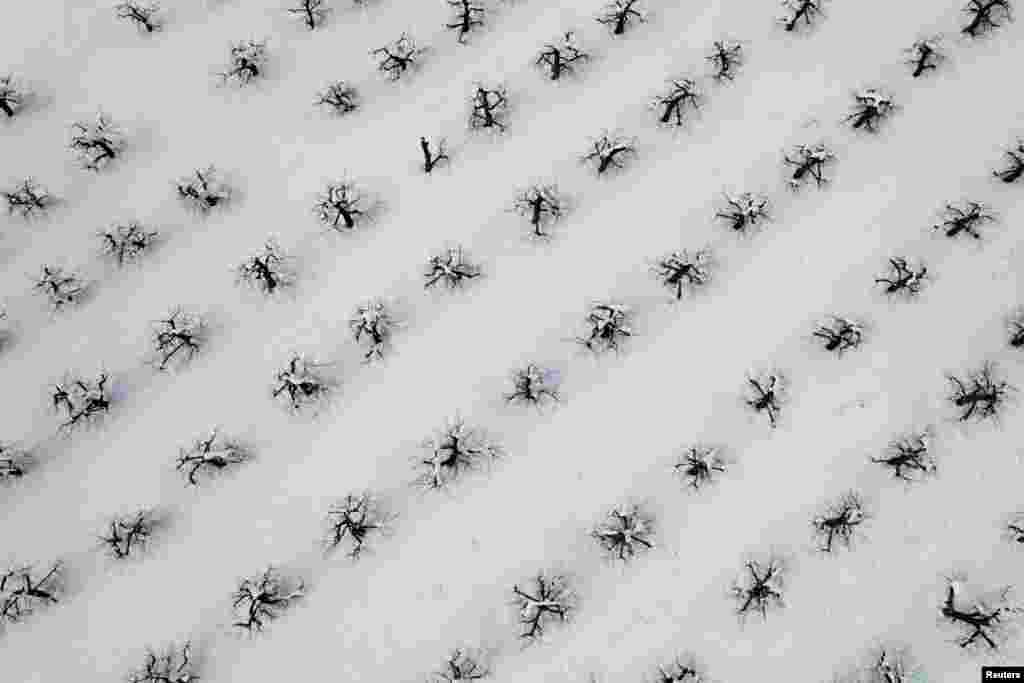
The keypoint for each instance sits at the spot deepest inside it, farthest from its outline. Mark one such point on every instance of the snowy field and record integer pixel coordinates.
(442, 576)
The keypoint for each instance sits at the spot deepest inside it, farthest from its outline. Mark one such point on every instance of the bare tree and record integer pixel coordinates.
(173, 665)
(533, 385)
(981, 395)
(964, 219)
(903, 279)
(985, 17)
(760, 588)
(840, 334)
(684, 271)
(60, 288)
(765, 394)
(924, 55)
(29, 199)
(461, 665)
(609, 325)
(682, 94)
(618, 16)
(626, 532)
(372, 326)
(23, 591)
(301, 384)
(982, 624)
(700, 465)
(127, 242)
(744, 212)
(726, 58)
(887, 663)
(547, 599)
(451, 268)
(608, 152)
(433, 158)
(247, 61)
(909, 457)
(807, 11)
(1014, 528)
(871, 108)
(489, 109)
(12, 96)
(209, 455)
(145, 16)
(264, 598)
(129, 535)
(15, 463)
(683, 669)
(313, 13)
(1015, 329)
(398, 57)
(456, 450)
(341, 206)
(178, 337)
(809, 163)
(542, 206)
(1015, 164)
(266, 271)
(82, 401)
(468, 15)
(352, 521)
(204, 190)
(5, 331)
(340, 97)
(562, 59)
(838, 524)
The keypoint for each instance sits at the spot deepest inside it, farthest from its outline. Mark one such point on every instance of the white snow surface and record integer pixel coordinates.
(443, 578)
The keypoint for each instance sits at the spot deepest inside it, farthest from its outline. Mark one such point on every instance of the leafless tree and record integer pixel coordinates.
(301, 384)
(726, 58)
(313, 13)
(352, 521)
(489, 109)
(619, 16)
(547, 599)
(1015, 164)
(266, 271)
(840, 334)
(839, 522)
(129, 535)
(533, 385)
(178, 337)
(1015, 329)
(82, 401)
(986, 16)
(451, 268)
(609, 325)
(124, 243)
(562, 59)
(1014, 528)
(468, 15)
(760, 588)
(683, 669)
(871, 107)
(12, 96)
(461, 665)
(765, 394)
(264, 598)
(809, 163)
(204, 190)
(682, 94)
(456, 450)
(909, 457)
(542, 206)
(985, 622)
(886, 663)
(683, 271)
(609, 152)
(372, 326)
(903, 279)
(247, 61)
(209, 455)
(433, 158)
(29, 199)
(700, 465)
(23, 591)
(924, 55)
(340, 97)
(626, 532)
(15, 462)
(744, 212)
(964, 219)
(981, 395)
(145, 16)
(398, 57)
(807, 11)
(173, 665)
(341, 206)
(61, 288)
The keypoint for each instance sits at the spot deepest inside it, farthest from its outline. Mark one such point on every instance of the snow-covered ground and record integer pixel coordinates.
(443, 577)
